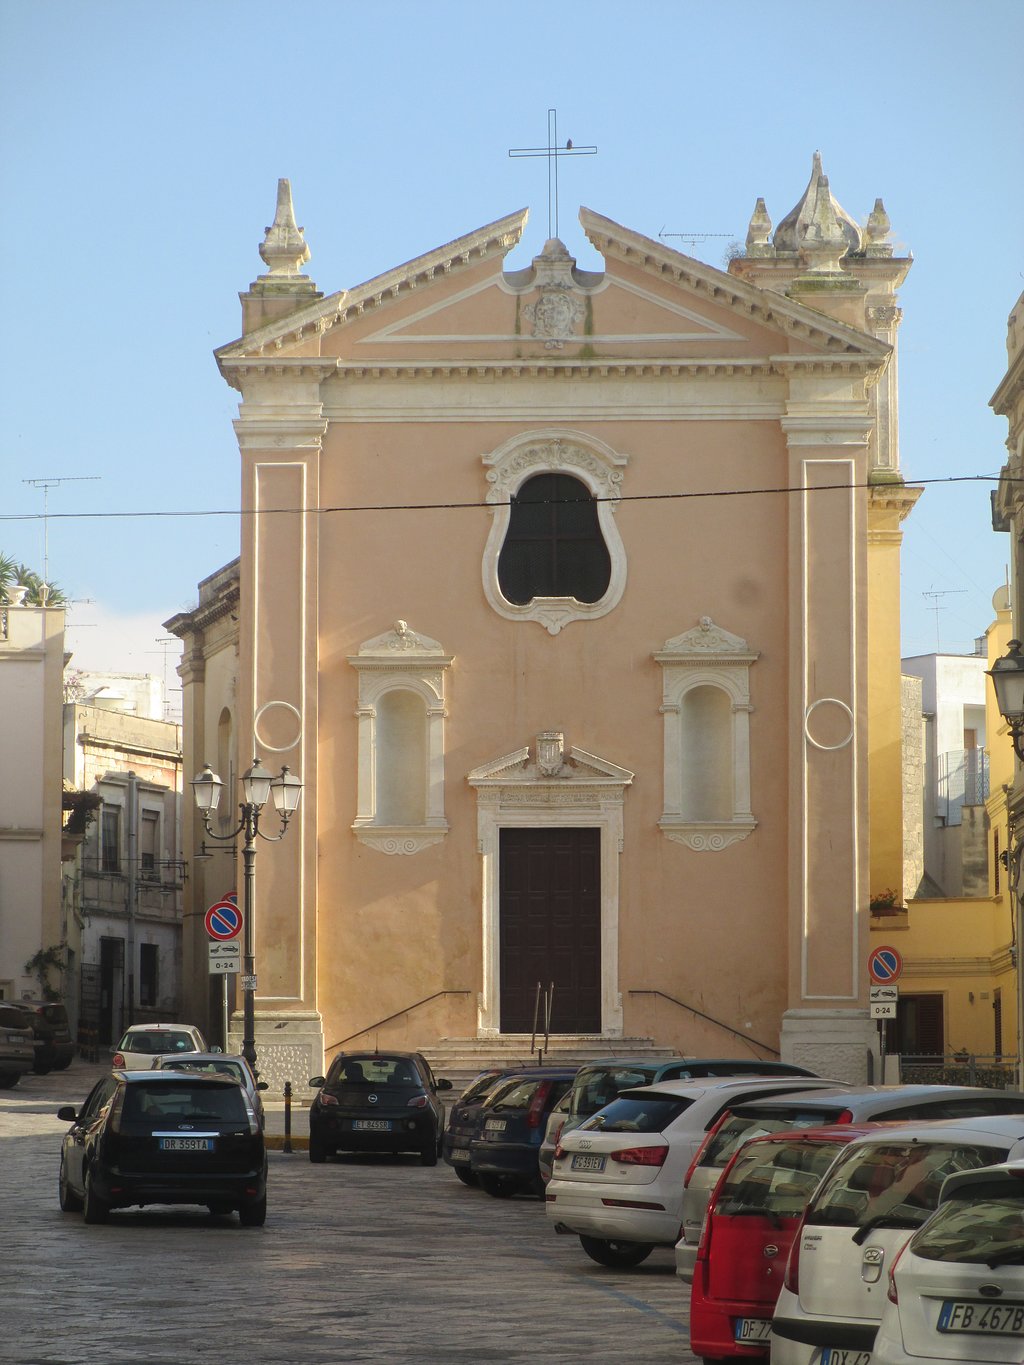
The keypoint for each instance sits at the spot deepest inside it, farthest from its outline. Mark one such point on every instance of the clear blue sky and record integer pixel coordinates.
(141, 146)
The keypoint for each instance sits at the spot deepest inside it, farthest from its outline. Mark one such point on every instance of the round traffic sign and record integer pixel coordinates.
(885, 964)
(223, 920)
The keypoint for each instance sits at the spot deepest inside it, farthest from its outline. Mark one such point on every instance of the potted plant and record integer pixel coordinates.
(886, 902)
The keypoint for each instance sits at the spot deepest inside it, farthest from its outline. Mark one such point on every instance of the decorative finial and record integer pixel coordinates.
(877, 232)
(824, 243)
(284, 248)
(759, 231)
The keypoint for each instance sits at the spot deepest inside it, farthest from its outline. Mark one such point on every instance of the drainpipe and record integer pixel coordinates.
(133, 887)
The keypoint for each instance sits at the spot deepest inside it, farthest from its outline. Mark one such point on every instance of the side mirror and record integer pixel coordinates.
(318, 1081)
(67, 1113)
(262, 1085)
(444, 1085)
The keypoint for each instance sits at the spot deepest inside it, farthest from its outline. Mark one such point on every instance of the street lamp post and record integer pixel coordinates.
(1007, 674)
(257, 787)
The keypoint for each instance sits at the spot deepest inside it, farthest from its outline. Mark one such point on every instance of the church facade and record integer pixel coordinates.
(572, 598)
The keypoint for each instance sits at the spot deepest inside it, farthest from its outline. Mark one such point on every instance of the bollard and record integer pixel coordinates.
(287, 1117)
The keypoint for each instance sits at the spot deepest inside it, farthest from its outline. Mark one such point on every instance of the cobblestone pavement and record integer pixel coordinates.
(361, 1259)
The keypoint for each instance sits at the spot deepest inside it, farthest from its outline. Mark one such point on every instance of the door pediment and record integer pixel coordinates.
(548, 768)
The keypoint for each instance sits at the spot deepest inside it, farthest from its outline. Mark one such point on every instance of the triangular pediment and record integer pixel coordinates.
(457, 304)
(549, 762)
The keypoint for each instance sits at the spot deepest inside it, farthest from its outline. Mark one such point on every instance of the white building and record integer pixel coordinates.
(31, 665)
(955, 784)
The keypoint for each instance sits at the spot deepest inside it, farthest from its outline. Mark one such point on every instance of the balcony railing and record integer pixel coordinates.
(961, 780)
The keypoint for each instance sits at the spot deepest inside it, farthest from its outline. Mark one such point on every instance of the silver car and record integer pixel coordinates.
(217, 1064)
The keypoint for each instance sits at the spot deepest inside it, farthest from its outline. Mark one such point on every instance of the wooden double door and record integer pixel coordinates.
(550, 927)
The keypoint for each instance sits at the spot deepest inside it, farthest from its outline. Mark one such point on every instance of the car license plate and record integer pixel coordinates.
(186, 1144)
(838, 1355)
(992, 1319)
(494, 1126)
(752, 1329)
(460, 1153)
(372, 1125)
(580, 1162)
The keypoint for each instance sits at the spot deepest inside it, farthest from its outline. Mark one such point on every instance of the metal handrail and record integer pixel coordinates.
(397, 1015)
(711, 1020)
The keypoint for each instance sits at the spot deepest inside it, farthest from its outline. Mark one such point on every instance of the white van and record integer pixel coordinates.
(875, 1194)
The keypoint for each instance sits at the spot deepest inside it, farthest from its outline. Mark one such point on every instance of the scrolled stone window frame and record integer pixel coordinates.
(400, 660)
(706, 656)
(554, 451)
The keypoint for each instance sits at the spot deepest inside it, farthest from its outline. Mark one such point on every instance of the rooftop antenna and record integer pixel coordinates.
(937, 606)
(553, 151)
(166, 640)
(693, 238)
(46, 485)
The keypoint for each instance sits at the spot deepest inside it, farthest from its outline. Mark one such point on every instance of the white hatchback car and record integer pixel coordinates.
(878, 1191)
(617, 1180)
(956, 1290)
(142, 1042)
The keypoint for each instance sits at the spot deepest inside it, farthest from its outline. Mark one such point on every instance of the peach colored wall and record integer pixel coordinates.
(420, 916)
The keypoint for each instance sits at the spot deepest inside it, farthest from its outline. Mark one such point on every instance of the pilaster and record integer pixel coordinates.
(827, 435)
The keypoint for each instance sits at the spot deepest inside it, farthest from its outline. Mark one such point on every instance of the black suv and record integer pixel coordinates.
(55, 1048)
(17, 1046)
(164, 1137)
(377, 1102)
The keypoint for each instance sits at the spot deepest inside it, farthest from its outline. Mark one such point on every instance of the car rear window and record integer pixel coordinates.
(775, 1178)
(180, 1102)
(976, 1230)
(638, 1113)
(233, 1070)
(478, 1088)
(13, 1018)
(375, 1071)
(521, 1094)
(740, 1128)
(168, 1040)
(596, 1088)
(892, 1184)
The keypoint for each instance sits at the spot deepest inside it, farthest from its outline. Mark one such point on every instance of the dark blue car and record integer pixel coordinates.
(465, 1116)
(503, 1155)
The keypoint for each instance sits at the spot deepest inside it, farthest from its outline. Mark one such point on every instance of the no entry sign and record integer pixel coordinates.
(223, 920)
(885, 965)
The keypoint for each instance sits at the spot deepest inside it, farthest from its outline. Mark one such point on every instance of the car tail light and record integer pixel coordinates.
(115, 1111)
(845, 1117)
(641, 1156)
(559, 1151)
(704, 1242)
(792, 1277)
(558, 1132)
(535, 1113)
(118, 1060)
(892, 1293)
(327, 1098)
(417, 1102)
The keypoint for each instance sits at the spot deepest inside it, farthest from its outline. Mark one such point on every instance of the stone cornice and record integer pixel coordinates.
(895, 497)
(770, 309)
(498, 237)
(1010, 387)
(236, 371)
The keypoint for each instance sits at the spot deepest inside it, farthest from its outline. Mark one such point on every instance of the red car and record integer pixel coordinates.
(749, 1228)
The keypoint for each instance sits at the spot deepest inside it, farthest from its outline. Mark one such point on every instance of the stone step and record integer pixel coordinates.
(461, 1059)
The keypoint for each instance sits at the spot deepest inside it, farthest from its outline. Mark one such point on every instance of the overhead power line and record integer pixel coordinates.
(467, 506)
